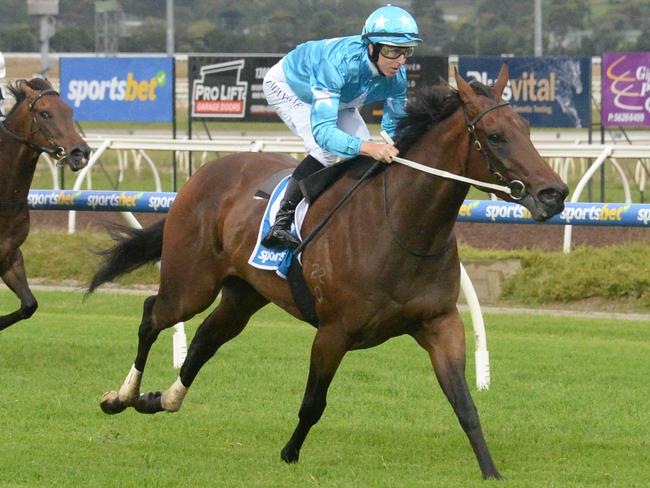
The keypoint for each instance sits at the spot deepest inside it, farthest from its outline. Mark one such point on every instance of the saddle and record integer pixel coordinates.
(312, 187)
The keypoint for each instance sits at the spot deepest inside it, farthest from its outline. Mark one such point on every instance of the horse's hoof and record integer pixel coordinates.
(289, 455)
(149, 402)
(111, 404)
(492, 475)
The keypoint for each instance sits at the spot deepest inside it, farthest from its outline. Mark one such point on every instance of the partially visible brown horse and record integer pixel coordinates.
(385, 265)
(39, 122)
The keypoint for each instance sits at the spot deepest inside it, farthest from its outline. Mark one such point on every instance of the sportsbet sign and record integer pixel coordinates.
(118, 89)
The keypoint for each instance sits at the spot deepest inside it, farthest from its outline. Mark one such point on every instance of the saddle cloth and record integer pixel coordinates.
(276, 259)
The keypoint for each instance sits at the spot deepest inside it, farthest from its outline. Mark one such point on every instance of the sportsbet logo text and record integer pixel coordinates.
(116, 89)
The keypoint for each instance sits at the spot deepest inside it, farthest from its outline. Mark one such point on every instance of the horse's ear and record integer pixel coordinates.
(464, 90)
(25, 88)
(501, 82)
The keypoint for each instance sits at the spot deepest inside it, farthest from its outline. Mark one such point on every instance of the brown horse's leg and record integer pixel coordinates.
(328, 349)
(177, 301)
(444, 339)
(116, 401)
(16, 279)
(239, 301)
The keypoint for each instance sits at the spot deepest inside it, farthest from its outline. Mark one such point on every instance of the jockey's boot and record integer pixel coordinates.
(280, 234)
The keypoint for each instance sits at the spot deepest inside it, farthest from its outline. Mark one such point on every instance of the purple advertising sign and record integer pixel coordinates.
(625, 90)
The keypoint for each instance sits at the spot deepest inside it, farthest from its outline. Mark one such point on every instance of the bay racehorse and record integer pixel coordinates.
(386, 264)
(39, 122)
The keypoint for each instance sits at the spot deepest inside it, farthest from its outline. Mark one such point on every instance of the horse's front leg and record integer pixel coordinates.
(444, 339)
(15, 278)
(328, 349)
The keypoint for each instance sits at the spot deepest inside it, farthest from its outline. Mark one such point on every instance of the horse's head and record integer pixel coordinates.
(502, 151)
(48, 125)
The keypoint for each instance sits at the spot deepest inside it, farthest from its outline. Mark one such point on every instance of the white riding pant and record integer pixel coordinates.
(297, 114)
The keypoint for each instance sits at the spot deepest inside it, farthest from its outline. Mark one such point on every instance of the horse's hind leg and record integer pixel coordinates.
(444, 339)
(116, 401)
(328, 349)
(16, 279)
(239, 301)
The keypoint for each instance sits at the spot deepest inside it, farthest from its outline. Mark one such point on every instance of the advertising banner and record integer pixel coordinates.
(230, 87)
(546, 91)
(119, 89)
(579, 213)
(484, 211)
(625, 90)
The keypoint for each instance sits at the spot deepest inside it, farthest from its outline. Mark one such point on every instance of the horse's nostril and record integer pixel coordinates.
(551, 196)
(80, 152)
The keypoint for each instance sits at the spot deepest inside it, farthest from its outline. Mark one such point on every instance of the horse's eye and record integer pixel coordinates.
(496, 138)
(44, 114)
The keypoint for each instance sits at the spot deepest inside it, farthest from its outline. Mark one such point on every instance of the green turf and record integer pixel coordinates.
(545, 278)
(568, 406)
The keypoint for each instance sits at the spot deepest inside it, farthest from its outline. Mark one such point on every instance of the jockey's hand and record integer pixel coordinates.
(380, 151)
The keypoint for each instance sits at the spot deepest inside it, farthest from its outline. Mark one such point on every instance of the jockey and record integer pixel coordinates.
(3, 73)
(317, 90)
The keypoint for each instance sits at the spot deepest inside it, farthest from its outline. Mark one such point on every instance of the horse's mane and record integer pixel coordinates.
(431, 106)
(38, 84)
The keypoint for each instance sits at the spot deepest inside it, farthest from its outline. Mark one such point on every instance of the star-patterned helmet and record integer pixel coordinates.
(393, 26)
(3, 71)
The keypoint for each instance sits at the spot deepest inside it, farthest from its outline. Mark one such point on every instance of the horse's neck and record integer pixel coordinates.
(423, 201)
(17, 166)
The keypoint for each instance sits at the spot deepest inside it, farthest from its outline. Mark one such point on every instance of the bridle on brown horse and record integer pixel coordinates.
(54, 150)
(517, 187)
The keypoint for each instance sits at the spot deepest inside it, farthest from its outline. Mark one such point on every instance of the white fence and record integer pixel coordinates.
(566, 158)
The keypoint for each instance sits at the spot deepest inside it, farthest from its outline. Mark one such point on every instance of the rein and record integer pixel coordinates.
(55, 150)
(514, 188)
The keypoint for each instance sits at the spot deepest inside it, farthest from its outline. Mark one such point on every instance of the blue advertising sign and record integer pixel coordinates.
(119, 89)
(546, 91)
(483, 211)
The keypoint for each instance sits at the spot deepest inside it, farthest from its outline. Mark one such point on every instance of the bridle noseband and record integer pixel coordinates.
(517, 187)
(54, 150)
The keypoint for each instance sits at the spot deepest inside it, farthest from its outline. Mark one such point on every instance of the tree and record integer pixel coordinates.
(435, 32)
(72, 39)
(563, 17)
(18, 38)
(151, 36)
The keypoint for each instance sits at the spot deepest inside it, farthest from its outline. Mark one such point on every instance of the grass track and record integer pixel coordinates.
(569, 406)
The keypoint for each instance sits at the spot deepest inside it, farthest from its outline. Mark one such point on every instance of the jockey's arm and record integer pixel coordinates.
(395, 105)
(327, 84)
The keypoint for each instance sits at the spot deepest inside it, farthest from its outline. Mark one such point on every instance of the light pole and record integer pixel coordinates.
(538, 27)
(46, 11)
(170, 27)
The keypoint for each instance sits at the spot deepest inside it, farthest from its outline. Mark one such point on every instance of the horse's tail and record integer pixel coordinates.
(133, 248)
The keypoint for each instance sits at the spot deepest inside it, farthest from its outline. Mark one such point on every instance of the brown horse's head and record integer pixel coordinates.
(502, 151)
(42, 119)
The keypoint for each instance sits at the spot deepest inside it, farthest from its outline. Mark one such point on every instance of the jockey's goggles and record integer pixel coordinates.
(394, 52)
